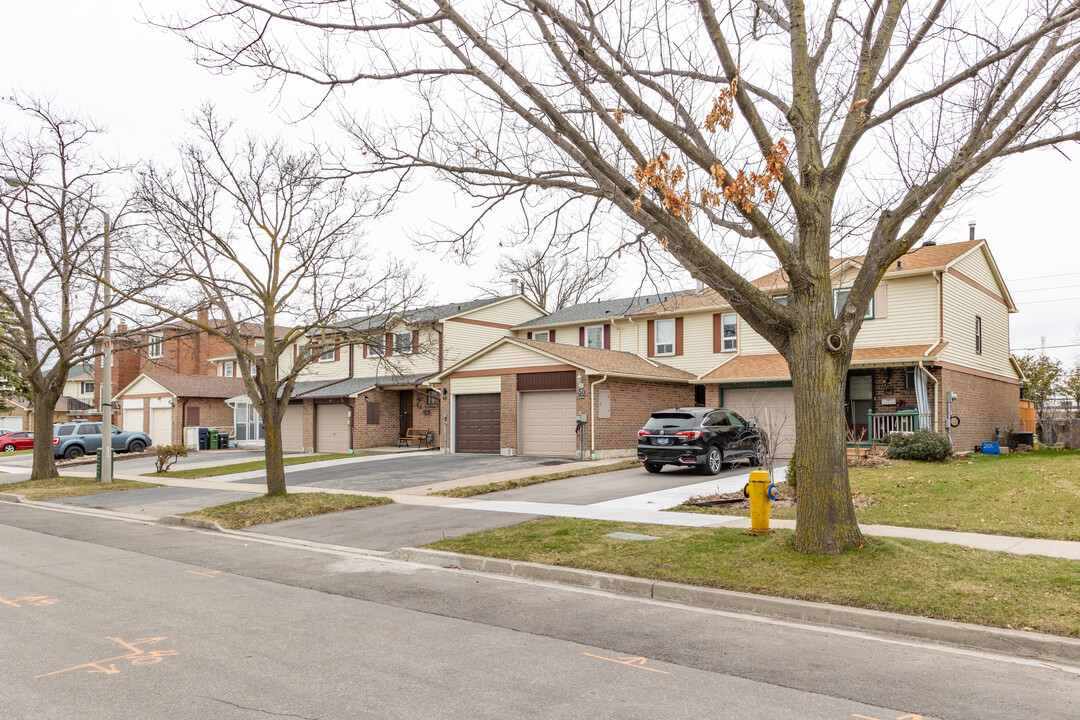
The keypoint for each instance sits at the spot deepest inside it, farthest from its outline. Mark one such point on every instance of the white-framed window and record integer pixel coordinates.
(376, 345)
(780, 299)
(664, 340)
(542, 336)
(978, 334)
(88, 387)
(157, 347)
(729, 328)
(594, 337)
(840, 296)
(328, 356)
(228, 369)
(403, 343)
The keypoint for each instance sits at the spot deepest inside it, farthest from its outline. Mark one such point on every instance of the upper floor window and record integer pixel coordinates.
(542, 336)
(403, 343)
(978, 334)
(780, 299)
(665, 337)
(730, 332)
(594, 337)
(228, 369)
(88, 388)
(328, 356)
(157, 347)
(840, 296)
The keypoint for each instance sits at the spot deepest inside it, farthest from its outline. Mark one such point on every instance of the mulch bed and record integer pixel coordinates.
(785, 499)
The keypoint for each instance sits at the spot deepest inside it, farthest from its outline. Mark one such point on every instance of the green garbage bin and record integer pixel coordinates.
(99, 465)
(914, 422)
(213, 439)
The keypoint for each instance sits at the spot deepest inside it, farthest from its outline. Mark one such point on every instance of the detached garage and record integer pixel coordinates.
(164, 404)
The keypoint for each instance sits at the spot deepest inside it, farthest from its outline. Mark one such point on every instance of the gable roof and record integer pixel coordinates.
(352, 386)
(202, 386)
(430, 314)
(591, 360)
(600, 310)
(773, 366)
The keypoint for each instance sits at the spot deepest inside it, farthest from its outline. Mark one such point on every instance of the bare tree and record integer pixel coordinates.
(52, 243)
(259, 238)
(780, 125)
(553, 278)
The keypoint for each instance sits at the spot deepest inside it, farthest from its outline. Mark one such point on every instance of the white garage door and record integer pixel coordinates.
(331, 428)
(161, 426)
(133, 420)
(10, 423)
(292, 429)
(773, 409)
(547, 422)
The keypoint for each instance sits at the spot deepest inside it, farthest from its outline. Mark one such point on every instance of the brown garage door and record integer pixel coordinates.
(476, 423)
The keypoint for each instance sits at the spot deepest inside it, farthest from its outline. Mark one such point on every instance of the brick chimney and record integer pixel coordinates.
(204, 314)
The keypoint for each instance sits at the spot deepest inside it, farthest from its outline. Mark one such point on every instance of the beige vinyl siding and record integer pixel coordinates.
(509, 312)
(697, 343)
(976, 267)
(476, 385)
(509, 356)
(750, 343)
(962, 304)
(425, 361)
(911, 314)
(460, 340)
(626, 335)
(146, 386)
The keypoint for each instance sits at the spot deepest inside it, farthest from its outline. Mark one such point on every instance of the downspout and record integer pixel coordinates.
(352, 409)
(592, 417)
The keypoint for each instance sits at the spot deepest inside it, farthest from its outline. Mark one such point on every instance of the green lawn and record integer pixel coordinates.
(904, 576)
(1028, 495)
(273, 508)
(69, 487)
(249, 466)
(18, 452)
(470, 490)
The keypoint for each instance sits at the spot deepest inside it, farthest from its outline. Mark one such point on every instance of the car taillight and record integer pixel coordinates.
(56, 441)
(643, 433)
(691, 434)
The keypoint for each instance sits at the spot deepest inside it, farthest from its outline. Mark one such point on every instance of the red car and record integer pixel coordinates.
(13, 441)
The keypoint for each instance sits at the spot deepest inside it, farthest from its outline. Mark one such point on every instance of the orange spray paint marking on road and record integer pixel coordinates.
(208, 573)
(37, 600)
(634, 662)
(137, 656)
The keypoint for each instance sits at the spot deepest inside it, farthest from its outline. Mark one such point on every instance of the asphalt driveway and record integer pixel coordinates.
(390, 473)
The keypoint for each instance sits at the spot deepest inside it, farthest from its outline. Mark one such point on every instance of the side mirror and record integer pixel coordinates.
(751, 423)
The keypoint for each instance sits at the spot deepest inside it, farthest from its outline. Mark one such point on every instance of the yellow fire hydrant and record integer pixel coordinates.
(760, 490)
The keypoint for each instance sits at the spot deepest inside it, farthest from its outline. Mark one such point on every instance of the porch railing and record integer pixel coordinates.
(882, 424)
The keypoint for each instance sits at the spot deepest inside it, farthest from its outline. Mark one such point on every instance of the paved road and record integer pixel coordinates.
(244, 629)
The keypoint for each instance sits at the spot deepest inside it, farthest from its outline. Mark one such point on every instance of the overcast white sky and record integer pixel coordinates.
(98, 58)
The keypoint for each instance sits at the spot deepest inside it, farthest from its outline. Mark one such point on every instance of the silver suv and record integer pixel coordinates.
(73, 439)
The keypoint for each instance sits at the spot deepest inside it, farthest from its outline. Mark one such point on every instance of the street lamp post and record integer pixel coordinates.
(106, 336)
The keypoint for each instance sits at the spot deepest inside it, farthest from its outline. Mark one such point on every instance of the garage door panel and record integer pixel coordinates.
(548, 422)
(477, 423)
(331, 428)
(773, 409)
(10, 423)
(133, 420)
(292, 429)
(161, 426)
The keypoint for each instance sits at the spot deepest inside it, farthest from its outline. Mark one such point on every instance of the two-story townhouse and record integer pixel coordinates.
(938, 324)
(371, 385)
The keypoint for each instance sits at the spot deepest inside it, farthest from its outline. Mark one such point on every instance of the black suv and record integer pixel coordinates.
(703, 437)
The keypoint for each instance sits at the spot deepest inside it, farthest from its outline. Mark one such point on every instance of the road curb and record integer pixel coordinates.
(988, 639)
(12, 498)
(176, 520)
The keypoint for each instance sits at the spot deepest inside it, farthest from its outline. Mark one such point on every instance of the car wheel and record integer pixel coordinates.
(714, 462)
(9, 448)
(73, 452)
(759, 455)
(136, 446)
(654, 467)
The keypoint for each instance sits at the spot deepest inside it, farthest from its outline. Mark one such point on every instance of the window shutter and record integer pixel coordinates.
(365, 348)
(529, 336)
(881, 301)
(678, 336)
(192, 416)
(389, 344)
(295, 351)
(717, 333)
(551, 335)
(650, 338)
(372, 413)
(416, 341)
(581, 336)
(607, 337)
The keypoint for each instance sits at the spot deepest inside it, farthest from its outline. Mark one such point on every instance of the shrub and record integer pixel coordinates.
(922, 445)
(167, 455)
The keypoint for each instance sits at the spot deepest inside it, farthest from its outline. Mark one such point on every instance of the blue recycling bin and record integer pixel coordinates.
(204, 438)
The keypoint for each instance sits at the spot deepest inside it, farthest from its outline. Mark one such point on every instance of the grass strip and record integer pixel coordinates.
(57, 487)
(950, 582)
(470, 490)
(1026, 495)
(18, 452)
(249, 466)
(274, 508)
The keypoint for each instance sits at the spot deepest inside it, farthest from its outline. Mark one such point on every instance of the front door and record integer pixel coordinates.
(406, 400)
(861, 399)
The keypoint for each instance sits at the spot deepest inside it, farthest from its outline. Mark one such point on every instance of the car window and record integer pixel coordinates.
(714, 419)
(661, 420)
(734, 420)
(24, 435)
(65, 429)
(90, 429)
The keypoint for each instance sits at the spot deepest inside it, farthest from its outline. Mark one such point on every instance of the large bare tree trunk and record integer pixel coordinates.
(275, 463)
(44, 459)
(826, 517)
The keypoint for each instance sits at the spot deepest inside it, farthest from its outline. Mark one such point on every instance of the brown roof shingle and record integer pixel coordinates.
(615, 362)
(202, 386)
(775, 367)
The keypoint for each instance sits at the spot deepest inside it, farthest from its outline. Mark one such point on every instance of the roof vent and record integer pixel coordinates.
(929, 243)
(971, 230)
(899, 266)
